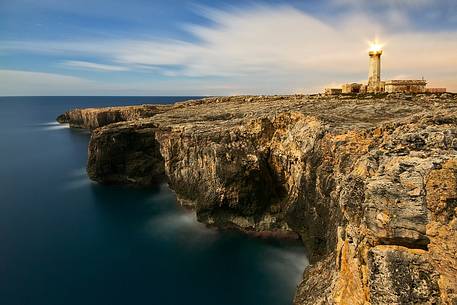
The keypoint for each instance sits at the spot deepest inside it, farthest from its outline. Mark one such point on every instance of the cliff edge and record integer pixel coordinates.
(369, 183)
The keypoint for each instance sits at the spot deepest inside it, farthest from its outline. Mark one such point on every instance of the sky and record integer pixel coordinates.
(213, 47)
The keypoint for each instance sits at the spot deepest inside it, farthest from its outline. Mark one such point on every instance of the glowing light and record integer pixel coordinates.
(375, 47)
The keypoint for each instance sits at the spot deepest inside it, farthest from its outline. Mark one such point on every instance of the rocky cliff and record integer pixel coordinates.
(91, 118)
(369, 183)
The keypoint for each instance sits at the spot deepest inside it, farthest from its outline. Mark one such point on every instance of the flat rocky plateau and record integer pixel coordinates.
(367, 182)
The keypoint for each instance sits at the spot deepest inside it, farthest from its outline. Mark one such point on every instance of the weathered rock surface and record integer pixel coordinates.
(91, 118)
(368, 183)
(126, 153)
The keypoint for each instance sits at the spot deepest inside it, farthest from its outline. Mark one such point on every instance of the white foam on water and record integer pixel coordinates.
(79, 172)
(162, 197)
(50, 126)
(53, 123)
(77, 183)
(288, 264)
(77, 178)
(182, 226)
(55, 127)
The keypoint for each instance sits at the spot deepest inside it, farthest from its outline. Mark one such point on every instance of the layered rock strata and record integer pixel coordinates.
(91, 118)
(369, 183)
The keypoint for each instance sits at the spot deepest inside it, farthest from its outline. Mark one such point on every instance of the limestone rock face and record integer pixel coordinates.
(314, 290)
(369, 184)
(400, 275)
(125, 154)
(91, 118)
(396, 237)
(243, 175)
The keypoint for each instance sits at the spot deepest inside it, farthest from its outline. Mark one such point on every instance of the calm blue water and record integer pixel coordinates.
(66, 240)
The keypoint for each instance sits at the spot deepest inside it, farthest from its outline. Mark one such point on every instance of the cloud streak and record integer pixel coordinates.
(86, 65)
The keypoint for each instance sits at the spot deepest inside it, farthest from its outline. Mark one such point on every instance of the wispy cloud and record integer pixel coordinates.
(271, 49)
(17, 82)
(13, 82)
(86, 65)
(389, 3)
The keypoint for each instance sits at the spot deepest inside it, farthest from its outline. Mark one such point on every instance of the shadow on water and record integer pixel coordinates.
(124, 204)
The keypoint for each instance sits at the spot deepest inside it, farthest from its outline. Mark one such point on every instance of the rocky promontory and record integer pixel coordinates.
(91, 118)
(368, 183)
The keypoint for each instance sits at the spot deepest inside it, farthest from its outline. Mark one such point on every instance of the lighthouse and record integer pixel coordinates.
(376, 85)
(374, 68)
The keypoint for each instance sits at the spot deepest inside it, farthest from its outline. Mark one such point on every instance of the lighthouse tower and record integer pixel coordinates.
(374, 69)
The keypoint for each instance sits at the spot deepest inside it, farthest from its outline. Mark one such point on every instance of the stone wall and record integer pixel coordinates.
(352, 88)
(435, 90)
(405, 86)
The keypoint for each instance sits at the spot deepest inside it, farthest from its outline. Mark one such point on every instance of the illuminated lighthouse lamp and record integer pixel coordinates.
(375, 47)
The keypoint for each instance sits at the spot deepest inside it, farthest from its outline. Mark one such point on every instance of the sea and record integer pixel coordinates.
(66, 240)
